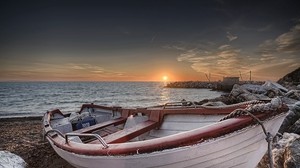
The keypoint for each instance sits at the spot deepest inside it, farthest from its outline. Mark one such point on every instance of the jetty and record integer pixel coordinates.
(225, 85)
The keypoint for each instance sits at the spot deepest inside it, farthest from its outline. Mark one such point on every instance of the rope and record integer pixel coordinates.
(274, 105)
(256, 106)
(269, 136)
(247, 103)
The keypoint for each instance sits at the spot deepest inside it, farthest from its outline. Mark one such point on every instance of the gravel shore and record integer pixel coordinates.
(23, 136)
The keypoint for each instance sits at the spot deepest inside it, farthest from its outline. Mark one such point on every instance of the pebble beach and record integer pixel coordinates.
(23, 137)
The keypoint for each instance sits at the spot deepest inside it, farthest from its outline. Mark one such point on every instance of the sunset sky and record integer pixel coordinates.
(144, 40)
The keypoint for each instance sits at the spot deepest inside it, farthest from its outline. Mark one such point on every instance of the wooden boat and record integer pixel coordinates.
(164, 136)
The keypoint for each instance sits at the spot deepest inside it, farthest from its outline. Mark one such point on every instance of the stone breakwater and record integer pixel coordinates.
(193, 84)
(215, 85)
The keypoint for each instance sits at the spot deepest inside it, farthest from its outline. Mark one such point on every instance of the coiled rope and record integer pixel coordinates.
(247, 103)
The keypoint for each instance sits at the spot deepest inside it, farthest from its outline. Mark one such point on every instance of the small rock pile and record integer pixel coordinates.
(268, 90)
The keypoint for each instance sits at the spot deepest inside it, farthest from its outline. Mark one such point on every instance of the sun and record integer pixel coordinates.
(165, 78)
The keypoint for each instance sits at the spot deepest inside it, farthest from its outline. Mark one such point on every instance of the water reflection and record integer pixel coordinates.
(165, 96)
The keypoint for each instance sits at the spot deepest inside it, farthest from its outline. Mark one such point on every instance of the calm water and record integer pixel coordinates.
(35, 98)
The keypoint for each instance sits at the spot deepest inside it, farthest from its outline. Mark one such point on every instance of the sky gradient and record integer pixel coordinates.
(146, 40)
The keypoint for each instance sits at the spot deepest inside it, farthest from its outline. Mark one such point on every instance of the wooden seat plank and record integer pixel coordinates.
(130, 133)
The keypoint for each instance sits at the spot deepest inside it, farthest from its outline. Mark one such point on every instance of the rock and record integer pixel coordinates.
(295, 128)
(291, 118)
(225, 98)
(288, 101)
(280, 146)
(268, 85)
(218, 103)
(202, 101)
(8, 160)
(292, 154)
(291, 80)
(253, 88)
(238, 90)
(279, 150)
(264, 92)
(249, 92)
(241, 94)
(293, 94)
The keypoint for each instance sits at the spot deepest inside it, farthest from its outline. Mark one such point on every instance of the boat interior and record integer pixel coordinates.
(118, 125)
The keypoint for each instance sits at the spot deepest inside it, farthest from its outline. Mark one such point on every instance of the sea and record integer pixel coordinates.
(23, 99)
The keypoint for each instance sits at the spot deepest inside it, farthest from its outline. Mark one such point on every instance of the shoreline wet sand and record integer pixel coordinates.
(23, 136)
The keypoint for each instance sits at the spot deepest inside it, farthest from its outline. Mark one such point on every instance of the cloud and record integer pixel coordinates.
(85, 67)
(178, 45)
(280, 55)
(267, 57)
(266, 28)
(223, 47)
(290, 41)
(152, 39)
(186, 57)
(285, 45)
(69, 71)
(266, 50)
(275, 57)
(274, 69)
(224, 60)
(95, 70)
(229, 53)
(231, 37)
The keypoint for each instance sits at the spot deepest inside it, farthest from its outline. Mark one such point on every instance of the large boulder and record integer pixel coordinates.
(283, 152)
(291, 123)
(8, 159)
(292, 154)
(291, 80)
(295, 128)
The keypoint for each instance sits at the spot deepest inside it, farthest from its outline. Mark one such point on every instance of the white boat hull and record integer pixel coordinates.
(243, 148)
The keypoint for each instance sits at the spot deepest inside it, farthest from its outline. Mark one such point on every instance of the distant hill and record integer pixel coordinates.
(291, 80)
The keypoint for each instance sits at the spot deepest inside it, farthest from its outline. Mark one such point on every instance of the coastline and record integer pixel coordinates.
(23, 136)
